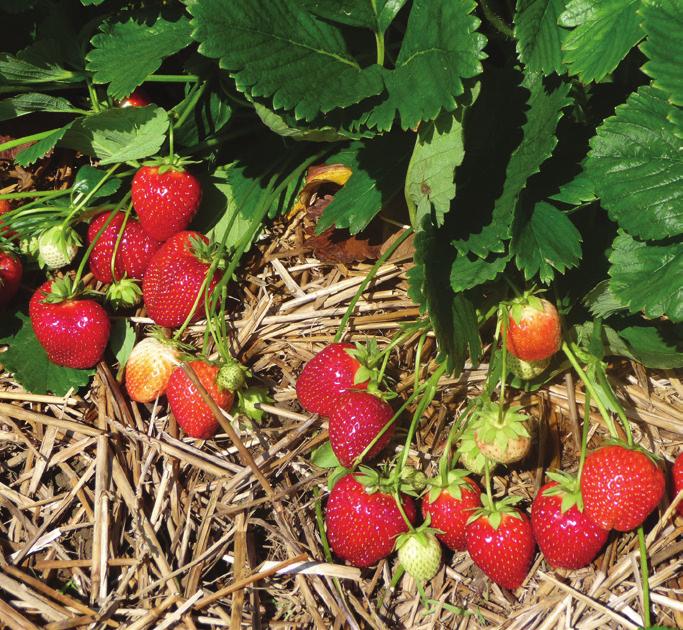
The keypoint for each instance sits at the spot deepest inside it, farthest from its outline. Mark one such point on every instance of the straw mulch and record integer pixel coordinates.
(109, 518)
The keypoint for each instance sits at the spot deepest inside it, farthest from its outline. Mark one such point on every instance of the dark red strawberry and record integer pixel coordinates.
(678, 479)
(363, 521)
(73, 331)
(328, 375)
(191, 412)
(534, 332)
(450, 507)
(166, 199)
(133, 254)
(620, 487)
(136, 99)
(563, 531)
(174, 278)
(11, 271)
(5, 232)
(357, 418)
(501, 543)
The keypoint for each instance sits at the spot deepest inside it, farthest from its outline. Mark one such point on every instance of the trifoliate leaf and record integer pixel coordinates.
(546, 242)
(124, 53)
(375, 15)
(663, 24)
(430, 181)
(648, 277)
(279, 51)
(539, 38)
(605, 32)
(36, 151)
(636, 165)
(26, 359)
(119, 135)
(23, 104)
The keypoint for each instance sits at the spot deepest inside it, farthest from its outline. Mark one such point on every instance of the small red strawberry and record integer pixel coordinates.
(174, 277)
(534, 332)
(450, 506)
(620, 487)
(363, 521)
(563, 531)
(678, 479)
(357, 418)
(135, 249)
(191, 412)
(166, 199)
(73, 331)
(149, 368)
(137, 98)
(11, 271)
(329, 374)
(500, 541)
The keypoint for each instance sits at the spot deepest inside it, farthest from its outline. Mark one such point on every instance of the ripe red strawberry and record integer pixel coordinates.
(149, 368)
(136, 99)
(451, 506)
(678, 479)
(133, 254)
(11, 271)
(563, 531)
(191, 412)
(534, 331)
(501, 543)
(166, 199)
(362, 525)
(357, 418)
(620, 487)
(327, 376)
(174, 277)
(73, 331)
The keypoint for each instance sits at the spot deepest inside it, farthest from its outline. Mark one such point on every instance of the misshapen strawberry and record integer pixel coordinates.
(149, 369)
(449, 507)
(620, 487)
(363, 521)
(11, 271)
(534, 331)
(73, 331)
(678, 480)
(174, 277)
(166, 198)
(329, 374)
(357, 418)
(134, 252)
(191, 412)
(563, 531)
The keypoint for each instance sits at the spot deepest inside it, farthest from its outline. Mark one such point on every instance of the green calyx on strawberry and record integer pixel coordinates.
(370, 359)
(419, 552)
(494, 511)
(471, 456)
(501, 436)
(233, 375)
(124, 293)
(456, 480)
(57, 246)
(63, 289)
(167, 163)
(567, 488)
(247, 400)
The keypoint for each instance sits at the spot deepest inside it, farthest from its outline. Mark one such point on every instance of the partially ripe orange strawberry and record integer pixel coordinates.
(148, 369)
(534, 332)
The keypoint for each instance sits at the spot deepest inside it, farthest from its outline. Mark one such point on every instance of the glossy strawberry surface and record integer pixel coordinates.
(137, 98)
(165, 201)
(536, 335)
(362, 527)
(620, 487)
(327, 376)
(357, 418)
(149, 369)
(74, 333)
(134, 252)
(11, 272)
(173, 279)
(191, 412)
(568, 540)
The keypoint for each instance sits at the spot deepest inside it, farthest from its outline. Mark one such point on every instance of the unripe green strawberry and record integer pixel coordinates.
(233, 376)
(124, 293)
(503, 437)
(419, 553)
(57, 246)
(526, 370)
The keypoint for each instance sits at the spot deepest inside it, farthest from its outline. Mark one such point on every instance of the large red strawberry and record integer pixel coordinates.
(191, 412)
(449, 507)
(678, 479)
(501, 543)
(149, 368)
(175, 276)
(11, 271)
(356, 420)
(363, 521)
(166, 199)
(133, 254)
(74, 331)
(620, 487)
(328, 375)
(534, 332)
(563, 531)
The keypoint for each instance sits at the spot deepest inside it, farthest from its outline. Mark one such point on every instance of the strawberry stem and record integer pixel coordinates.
(399, 504)
(89, 195)
(487, 477)
(503, 374)
(645, 577)
(119, 238)
(584, 434)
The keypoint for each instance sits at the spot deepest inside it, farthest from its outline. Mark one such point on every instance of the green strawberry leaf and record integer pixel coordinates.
(121, 340)
(539, 38)
(23, 104)
(375, 15)
(26, 359)
(88, 178)
(33, 153)
(324, 456)
(36, 64)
